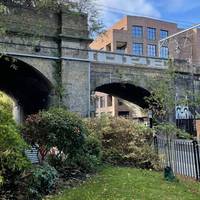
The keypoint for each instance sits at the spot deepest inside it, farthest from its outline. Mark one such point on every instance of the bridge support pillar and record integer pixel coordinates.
(76, 85)
(74, 38)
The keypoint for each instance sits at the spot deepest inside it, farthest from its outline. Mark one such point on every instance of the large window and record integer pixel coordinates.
(151, 50)
(102, 102)
(164, 52)
(137, 49)
(151, 33)
(97, 103)
(163, 34)
(109, 100)
(137, 31)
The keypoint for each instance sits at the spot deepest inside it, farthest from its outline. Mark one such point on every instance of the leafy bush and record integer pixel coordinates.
(6, 103)
(41, 181)
(1, 180)
(55, 128)
(68, 134)
(170, 130)
(6, 117)
(124, 142)
(12, 147)
(89, 158)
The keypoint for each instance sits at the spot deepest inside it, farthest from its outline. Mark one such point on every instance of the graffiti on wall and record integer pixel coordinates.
(183, 112)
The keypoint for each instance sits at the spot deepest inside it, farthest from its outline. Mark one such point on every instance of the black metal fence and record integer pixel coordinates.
(183, 156)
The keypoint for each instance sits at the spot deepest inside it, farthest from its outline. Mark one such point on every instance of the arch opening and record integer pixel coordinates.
(127, 100)
(9, 104)
(126, 91)
(29, 88)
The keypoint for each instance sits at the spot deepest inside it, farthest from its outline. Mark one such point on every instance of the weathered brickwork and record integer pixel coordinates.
(51, 43)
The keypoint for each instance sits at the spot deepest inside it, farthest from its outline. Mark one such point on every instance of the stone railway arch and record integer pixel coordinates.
(29, 88)
(127, 91)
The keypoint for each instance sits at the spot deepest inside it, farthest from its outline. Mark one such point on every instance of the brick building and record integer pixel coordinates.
(107, 104)
(140, 35)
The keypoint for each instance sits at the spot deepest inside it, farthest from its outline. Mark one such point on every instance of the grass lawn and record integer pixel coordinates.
(117, 183)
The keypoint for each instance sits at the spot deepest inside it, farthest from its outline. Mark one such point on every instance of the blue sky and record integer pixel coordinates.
(183, 12)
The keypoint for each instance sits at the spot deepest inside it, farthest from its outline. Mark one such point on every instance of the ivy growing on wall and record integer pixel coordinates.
(58, 87)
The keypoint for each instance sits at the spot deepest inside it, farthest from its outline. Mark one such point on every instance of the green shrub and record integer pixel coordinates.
(170, 130)
(88, 159)
(65, 131)
(6, 103)
(124, 142)
(92, 147)
(41, 181)
(55, 128)
(12, 147)
(1, 180)
(6, 117)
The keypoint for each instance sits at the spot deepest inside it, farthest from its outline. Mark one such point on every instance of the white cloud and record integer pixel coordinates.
(113, 10)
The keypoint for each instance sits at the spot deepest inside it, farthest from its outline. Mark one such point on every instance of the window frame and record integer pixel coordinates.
(151, 35)
(136, 33)
(165, 53)
(149, 50)
(109, 101)
(102, 102)
(140, 50)
(162, 31)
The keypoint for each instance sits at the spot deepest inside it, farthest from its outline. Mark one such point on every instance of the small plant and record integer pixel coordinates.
(41, 181)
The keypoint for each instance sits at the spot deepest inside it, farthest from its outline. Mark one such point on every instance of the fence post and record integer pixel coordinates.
(155, 141)
(196, 159)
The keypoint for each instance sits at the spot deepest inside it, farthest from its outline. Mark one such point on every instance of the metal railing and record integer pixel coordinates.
(183, 156)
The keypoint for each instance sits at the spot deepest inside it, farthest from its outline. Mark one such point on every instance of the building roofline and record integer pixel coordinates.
(151, 18)
(113, 25)
(141, 17)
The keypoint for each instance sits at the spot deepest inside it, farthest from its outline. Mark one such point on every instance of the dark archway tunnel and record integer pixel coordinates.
(127, 92)
(29, 87)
